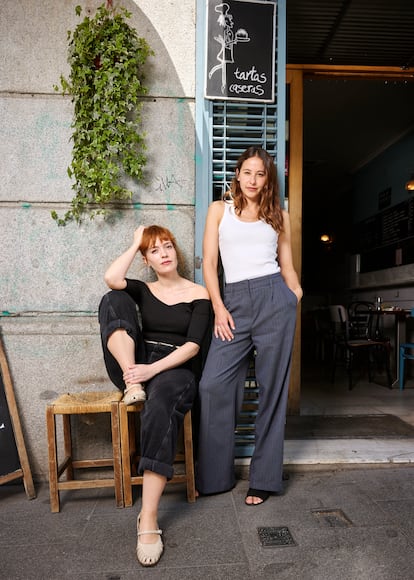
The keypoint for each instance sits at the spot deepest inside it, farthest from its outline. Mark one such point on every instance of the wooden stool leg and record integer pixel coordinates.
(132, 443)
(125, 455)
(189, 457)
(53, 460)
(67, 445)
(116, 452)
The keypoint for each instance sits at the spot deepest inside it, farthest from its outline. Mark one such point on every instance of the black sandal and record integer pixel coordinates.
(260, 493)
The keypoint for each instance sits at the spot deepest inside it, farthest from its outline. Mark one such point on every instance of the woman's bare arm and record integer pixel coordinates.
(223, 322)
(116, 273)
(285, 258)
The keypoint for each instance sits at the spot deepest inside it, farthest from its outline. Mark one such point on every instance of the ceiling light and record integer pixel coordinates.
(326, 239)
(409, 186)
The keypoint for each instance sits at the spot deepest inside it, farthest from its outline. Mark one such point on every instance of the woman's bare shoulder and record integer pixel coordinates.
(200, 292)
(215, 211)
(217, 206)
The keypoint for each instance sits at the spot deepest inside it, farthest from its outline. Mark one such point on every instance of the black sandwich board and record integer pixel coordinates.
(14, 463)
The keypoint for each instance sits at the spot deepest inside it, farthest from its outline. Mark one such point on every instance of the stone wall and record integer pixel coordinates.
(52, 277)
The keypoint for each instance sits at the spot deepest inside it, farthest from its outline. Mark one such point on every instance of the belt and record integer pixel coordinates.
(161, 343)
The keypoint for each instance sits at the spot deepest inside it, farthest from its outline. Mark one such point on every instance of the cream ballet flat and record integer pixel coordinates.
(149, 554)
(134, 394)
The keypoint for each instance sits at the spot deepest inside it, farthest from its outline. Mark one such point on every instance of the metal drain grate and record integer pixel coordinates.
(334, 518)
(271, 537)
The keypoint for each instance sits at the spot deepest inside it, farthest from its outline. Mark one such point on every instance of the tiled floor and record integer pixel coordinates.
(320, 397)
(347, 524)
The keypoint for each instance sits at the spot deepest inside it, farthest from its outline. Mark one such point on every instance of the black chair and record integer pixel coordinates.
(360, 319)
(348, 347)
(362, 323)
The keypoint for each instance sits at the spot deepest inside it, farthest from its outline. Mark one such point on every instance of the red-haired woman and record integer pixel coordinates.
(152, 360)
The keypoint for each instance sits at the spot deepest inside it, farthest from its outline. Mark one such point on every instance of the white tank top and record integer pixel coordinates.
(248, 249)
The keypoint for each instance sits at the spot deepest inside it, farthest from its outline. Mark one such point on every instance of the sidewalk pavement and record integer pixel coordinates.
(331, 523)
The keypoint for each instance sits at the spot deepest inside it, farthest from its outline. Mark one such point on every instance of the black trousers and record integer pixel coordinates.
(170, 394)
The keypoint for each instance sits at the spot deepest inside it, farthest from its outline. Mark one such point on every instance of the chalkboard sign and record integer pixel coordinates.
(9, 457)
(392, 225)
(386, 240)
(14, 463)
(240, 63)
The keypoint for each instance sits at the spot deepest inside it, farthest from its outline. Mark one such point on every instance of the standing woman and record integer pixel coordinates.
(153, 360)
(251, 233)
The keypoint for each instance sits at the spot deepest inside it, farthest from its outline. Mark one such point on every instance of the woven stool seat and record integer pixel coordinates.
(80, 402)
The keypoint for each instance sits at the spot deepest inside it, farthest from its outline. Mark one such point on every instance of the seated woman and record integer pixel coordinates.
(152, 359)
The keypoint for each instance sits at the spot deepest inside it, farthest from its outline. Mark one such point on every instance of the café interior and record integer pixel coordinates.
(357, 210)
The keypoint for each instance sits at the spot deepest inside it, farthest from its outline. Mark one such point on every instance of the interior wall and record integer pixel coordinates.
(348, 123)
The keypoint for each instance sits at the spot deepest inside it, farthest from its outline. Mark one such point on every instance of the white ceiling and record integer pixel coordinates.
(354, 32)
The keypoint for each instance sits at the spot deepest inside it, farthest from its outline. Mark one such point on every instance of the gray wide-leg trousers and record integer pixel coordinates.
(264, 311)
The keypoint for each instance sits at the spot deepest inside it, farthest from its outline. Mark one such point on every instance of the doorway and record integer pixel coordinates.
(339, 117)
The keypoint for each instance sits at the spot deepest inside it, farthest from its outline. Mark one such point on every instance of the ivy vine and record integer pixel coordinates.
(106, 58)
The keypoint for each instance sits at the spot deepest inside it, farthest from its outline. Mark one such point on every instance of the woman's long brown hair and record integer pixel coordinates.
(270, 210)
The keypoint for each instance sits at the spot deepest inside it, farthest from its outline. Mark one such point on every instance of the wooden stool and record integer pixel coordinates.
(129, 453)
(79, 404)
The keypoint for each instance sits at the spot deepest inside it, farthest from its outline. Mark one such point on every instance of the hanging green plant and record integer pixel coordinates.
(106, 57)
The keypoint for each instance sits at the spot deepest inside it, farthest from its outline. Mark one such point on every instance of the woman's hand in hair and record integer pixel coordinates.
(138, 236)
